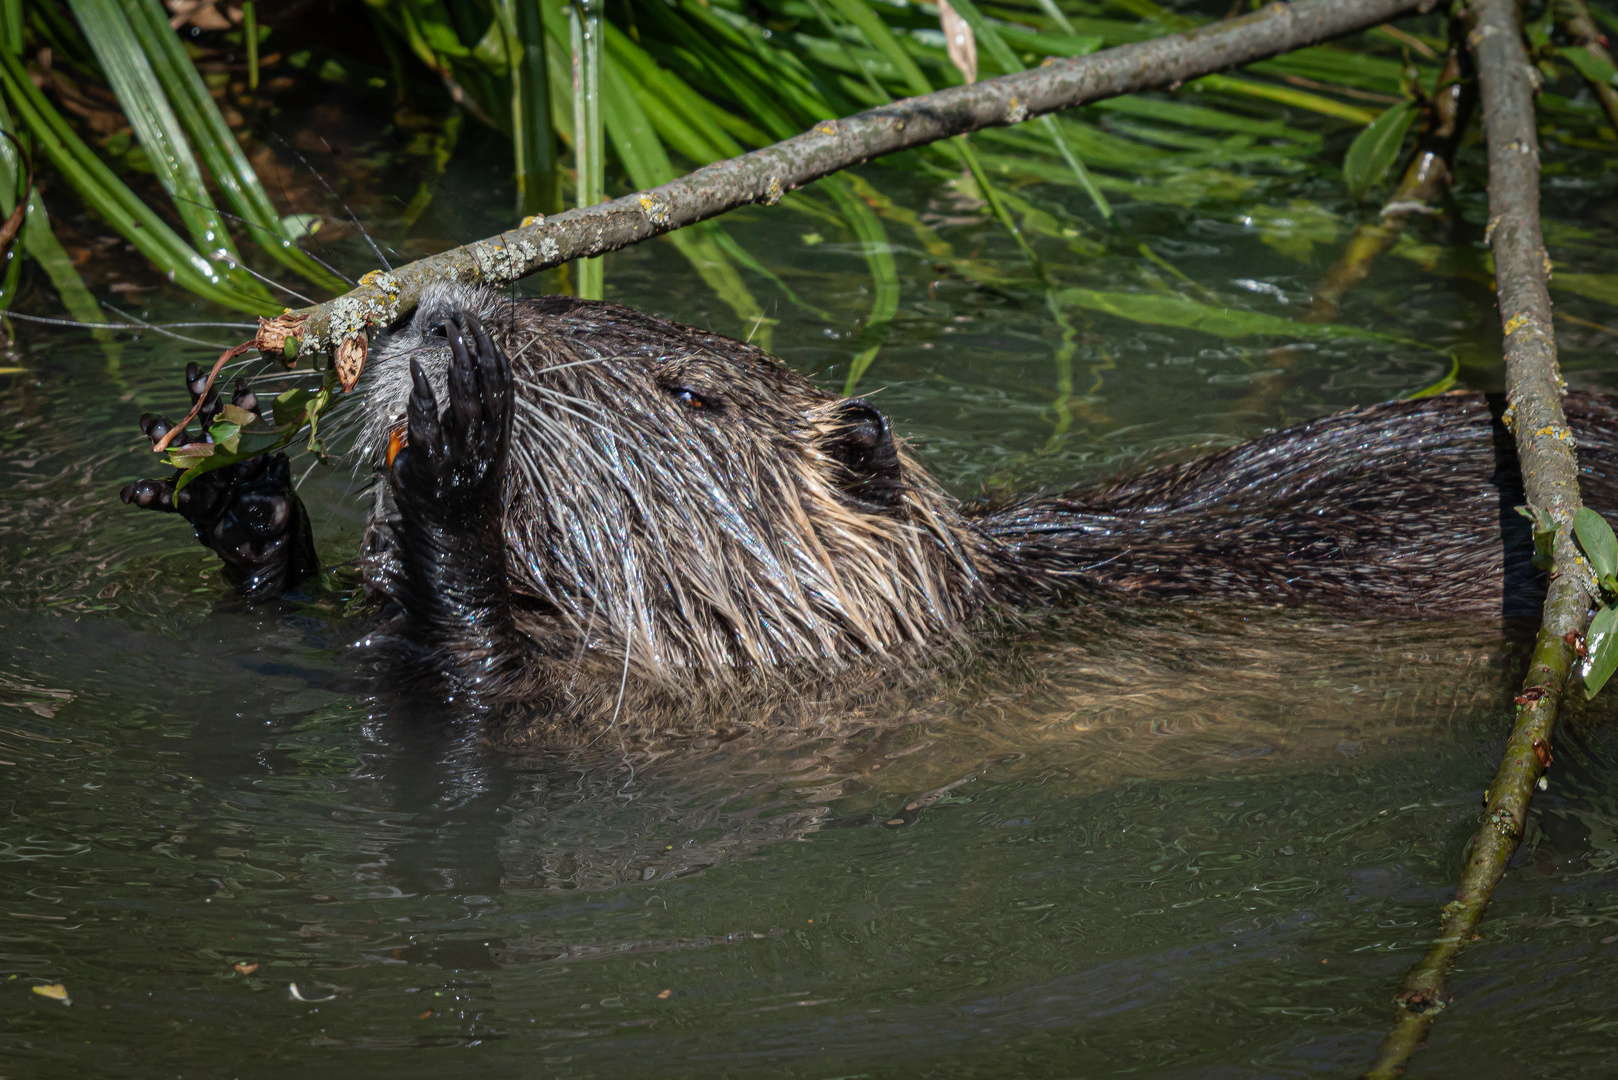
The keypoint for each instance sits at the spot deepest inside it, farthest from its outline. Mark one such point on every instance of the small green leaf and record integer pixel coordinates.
(1376, 148)
(298, 226)
(226, 434)
(289, 408)
(1590, 66)
(232, 413)
(1599, 544)
(1602, 643)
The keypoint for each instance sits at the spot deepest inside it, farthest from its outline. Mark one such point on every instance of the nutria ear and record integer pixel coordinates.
(862, 443)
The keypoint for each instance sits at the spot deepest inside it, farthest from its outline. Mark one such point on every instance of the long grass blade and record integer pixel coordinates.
(215, 142)
(874, 245)
(648, 165)
(158, 130)
(113, 199)
(533, 139)
(585, 34)
(1007, 61)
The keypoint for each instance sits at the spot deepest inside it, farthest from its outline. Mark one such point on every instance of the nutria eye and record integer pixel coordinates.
(693, 400)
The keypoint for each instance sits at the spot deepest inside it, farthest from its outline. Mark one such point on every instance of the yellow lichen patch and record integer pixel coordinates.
(370, 278)
(532, 219)
(1515, 323)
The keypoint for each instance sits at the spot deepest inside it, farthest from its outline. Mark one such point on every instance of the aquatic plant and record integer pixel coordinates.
(630, 96)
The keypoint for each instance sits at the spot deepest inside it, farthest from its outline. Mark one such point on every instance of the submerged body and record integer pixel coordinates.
(593, 509)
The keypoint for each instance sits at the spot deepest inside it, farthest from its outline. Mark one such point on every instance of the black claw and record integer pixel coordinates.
(244, 398)
(454, 461)
(465, 409)
(149, 495)
(195, 380)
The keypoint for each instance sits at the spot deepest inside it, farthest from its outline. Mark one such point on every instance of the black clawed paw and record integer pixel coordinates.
(454, 460)
(248, 513)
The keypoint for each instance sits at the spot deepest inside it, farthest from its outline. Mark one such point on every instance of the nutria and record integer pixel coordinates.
(584, 506)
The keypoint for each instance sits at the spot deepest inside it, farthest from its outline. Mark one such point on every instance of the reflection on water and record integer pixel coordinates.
(1187, 841)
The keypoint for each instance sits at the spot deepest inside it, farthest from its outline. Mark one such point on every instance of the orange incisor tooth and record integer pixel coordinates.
(398, 439)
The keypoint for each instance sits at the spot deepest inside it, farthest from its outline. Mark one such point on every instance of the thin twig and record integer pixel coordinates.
(765, 175)
(1550, 479)
(196, 406)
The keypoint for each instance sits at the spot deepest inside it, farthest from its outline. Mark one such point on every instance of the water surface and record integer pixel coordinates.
(1165, 843)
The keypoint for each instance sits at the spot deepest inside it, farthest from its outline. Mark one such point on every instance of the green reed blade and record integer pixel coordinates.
(1329, 64)
(873, 239)
(1045, 43)
(216, 143)
(37, 239)
(1200, 116)
(113, 199)
(648, 165)
(533, 139)
(1158, 309)
(1298, 99)
(1602, 287)
(11, 26)
(250, 39)
(41, 243)
(773, 86)
(1375, 149)
(744, 258)
(683, 118)
(864, 18)
(124, 62)
(1002, 55)
(584, 23)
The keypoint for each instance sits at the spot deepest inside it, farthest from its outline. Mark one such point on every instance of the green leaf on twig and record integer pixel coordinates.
(1602, 643)
(1376, 148)
(1599, 544)
(1592, 67)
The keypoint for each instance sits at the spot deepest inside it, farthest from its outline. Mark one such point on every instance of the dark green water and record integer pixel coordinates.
(1207, 844)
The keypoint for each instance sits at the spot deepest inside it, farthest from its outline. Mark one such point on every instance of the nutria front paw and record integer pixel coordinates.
(247, 513)
(452, 464)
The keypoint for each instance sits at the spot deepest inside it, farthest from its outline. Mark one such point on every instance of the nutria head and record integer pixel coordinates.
(683, 504)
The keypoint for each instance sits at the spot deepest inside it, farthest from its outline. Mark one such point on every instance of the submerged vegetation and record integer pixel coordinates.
(164, 123)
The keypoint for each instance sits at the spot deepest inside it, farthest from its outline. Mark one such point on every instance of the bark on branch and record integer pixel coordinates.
(763, 176)
(1550, 477)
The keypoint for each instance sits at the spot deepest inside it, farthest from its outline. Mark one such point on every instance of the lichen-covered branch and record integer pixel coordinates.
(763, 176)
(1429, 172)
(1550, 477)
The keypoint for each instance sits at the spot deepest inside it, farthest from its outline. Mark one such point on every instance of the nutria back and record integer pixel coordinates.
(1407, 508)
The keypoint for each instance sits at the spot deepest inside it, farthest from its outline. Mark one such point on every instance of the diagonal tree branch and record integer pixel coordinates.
(1550, 478)
(763, 176)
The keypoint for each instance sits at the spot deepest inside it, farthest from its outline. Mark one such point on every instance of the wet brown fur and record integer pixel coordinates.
(690, 528)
